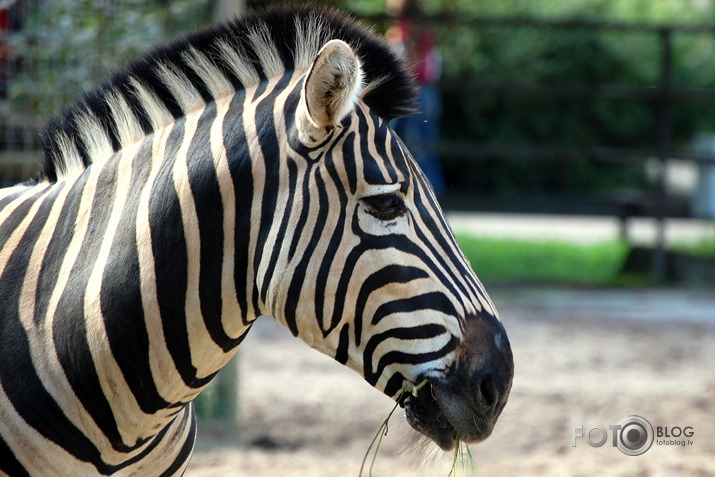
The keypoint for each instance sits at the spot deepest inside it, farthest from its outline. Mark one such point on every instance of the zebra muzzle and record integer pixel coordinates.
(464, 403)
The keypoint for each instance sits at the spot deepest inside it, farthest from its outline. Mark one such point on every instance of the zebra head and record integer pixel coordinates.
(370, 272)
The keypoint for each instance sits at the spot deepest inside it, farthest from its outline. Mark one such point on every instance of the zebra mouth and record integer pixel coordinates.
(446, 418)
(463, 402)
(425, 416)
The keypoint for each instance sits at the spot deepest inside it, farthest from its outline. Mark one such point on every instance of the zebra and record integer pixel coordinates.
(242, 170)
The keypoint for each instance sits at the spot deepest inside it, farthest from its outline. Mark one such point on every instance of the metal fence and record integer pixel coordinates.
(51, 51)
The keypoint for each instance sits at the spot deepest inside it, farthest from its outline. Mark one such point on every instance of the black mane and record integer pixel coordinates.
(389, 84)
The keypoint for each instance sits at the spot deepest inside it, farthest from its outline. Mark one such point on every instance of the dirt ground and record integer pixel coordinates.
(582, 357)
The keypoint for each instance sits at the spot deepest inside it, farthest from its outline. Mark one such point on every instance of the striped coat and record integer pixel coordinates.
(247, 169)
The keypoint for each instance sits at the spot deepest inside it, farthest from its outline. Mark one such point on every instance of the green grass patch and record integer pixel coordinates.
(539, 261)
(704, 248)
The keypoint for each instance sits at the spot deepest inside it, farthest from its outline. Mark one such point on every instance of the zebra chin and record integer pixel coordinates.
(464, 403)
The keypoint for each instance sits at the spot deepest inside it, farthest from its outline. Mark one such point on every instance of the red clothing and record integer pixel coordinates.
(418, 43)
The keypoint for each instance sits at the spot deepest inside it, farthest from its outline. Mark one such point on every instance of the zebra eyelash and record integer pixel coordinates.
(385, 206)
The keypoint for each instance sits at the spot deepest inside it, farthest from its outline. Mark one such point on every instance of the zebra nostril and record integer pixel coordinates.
(488, 391)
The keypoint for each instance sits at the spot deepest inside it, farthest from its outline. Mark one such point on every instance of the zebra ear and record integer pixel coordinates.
(330, 90)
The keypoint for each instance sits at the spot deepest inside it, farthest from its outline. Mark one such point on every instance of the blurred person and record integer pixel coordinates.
(416, 41)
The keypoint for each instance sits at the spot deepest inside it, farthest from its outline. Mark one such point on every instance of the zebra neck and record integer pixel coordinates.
(150, 266)
(208, 212)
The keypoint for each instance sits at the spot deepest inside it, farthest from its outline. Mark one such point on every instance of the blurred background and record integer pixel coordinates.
(572, 144)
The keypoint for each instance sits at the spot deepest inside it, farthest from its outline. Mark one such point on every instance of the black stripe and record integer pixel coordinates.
(8, 226)
(350, 161)
(398, 154)
(5, 201)
(287, 214)
(394, 384)
(304, 211)
(206, 193)
(268, 144)
(120, 297)
(239, 162)
(70, 333)
(298, 280)
(290, 107)
(171, 261)
(332, 250)
(380, 142)
(188, 445)
(341, 353)
(8, 463)
(372, 173)
(421, 332)
(57, 247)
(436, 301)
(260, 88)
(384, 276)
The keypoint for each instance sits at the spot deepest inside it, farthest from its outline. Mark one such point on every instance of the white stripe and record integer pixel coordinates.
(42, 350)
(159, 117)
(258, 179)
(36, 454)
(167, 378)
(232, 321)
(239, 63)
(127, 126)
(71, 164)
(206, 355)
(370, 133)
(266, 51)
(209, 73)
(127, 413)
(184, 92)
(95, 140)
(309, 39)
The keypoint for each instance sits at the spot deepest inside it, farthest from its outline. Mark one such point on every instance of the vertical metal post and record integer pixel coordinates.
(227, 393)
(664, 144)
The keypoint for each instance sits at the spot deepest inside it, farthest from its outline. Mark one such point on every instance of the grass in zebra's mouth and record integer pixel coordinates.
(459, 461)
(462, 448)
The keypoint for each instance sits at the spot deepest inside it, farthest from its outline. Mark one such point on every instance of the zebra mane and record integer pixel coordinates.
(192, 71)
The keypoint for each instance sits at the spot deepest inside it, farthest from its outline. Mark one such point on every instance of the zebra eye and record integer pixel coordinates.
(385, 206)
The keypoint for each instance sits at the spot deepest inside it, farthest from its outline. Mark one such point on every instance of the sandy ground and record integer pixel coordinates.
(582, 358)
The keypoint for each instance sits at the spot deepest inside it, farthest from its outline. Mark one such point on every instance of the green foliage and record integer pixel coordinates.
(530, 88)
(527, 261)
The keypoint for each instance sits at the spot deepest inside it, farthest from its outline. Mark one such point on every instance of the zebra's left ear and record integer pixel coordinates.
(330, 90)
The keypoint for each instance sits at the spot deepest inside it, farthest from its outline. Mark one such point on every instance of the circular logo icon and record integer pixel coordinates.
(635, 435)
